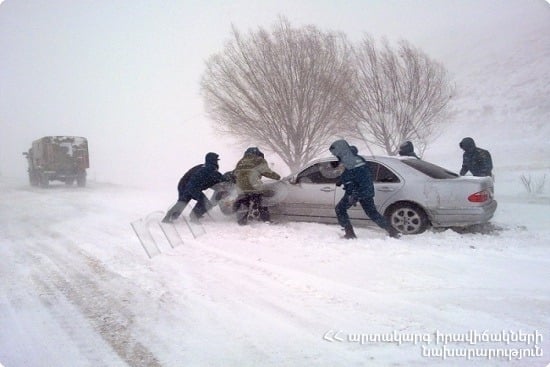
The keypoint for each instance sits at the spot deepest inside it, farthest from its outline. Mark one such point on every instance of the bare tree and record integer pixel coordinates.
(399, 94)
(285, 88)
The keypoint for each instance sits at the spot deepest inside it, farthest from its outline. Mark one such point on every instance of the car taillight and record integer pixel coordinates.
(479, 197)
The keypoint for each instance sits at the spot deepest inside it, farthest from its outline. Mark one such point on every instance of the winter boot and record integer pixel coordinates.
(394, 233)
(350, 234)
(170, 217)
(193, 218)
(253, 212)
(242, 218)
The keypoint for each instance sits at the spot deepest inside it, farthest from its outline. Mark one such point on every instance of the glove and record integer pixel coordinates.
(229, 177)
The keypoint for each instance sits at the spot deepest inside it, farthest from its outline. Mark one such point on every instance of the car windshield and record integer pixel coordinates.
(430, 169)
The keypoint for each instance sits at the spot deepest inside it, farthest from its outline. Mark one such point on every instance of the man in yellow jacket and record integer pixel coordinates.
(248, 173)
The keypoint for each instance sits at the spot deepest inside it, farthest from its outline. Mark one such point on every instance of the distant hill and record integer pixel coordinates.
(502, 75)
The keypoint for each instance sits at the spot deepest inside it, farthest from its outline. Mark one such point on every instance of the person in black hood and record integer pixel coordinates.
(476, 160)
(358, 186)
(406, 149)
(192, 185)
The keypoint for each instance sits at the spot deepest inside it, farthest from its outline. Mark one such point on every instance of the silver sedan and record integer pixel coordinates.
(413, 194)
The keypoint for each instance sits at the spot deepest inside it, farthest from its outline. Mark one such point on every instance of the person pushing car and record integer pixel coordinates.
(358, 186)
(192, 185)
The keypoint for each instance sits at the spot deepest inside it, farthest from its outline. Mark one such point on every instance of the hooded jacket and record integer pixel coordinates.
(250, 169)
(357, 178)
(185, 178)
(203, 177)
(476, 160)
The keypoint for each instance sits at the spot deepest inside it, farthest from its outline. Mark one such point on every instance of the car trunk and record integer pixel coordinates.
(455, 192)
(460, 201)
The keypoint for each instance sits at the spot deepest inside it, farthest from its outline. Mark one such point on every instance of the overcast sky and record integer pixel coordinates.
(125, 74)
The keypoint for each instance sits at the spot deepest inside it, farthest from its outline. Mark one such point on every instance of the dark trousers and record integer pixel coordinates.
(249, 206)
(200, 208)
(348, 201)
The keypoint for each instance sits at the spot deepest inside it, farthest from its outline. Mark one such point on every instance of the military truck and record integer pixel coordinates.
(58, 158)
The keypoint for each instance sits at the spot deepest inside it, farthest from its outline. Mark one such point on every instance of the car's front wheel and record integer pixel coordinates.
(225, 201)
(407, 218)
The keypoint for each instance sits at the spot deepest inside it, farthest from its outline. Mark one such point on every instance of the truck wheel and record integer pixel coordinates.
(44, 181)
(81, 180)
(69, 181)
(33, 179)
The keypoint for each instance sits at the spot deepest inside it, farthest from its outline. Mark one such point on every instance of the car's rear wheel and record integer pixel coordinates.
(408, 218)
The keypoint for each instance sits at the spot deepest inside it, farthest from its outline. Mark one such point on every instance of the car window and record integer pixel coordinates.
(321, 173)
(430, 169)
(381, 173)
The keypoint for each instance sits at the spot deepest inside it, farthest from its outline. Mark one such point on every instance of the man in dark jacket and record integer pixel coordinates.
(358, 186)
(407, 149)
(192, 185)
(248, 173)
(476, 160)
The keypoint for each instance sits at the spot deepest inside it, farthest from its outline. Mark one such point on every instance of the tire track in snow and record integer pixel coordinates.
(111, 317)
(70, 280)
(26, 288)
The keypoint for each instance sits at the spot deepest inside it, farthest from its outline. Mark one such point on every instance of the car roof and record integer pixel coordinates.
(393, 162)
(381, 158)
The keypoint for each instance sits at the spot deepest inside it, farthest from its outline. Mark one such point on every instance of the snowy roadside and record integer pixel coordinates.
(77, 289)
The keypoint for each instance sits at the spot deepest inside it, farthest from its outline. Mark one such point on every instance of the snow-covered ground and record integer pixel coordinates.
(77, 288)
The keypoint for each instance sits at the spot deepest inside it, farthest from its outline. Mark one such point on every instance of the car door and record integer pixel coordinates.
(311, 194)
(386, 184)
